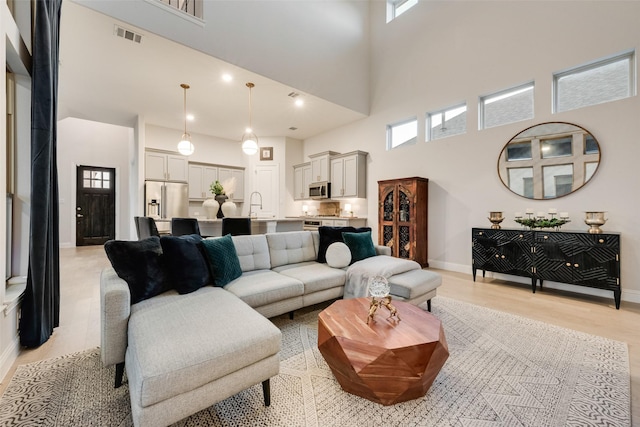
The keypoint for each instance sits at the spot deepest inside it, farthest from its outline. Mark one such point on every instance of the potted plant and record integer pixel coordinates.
(217, 188)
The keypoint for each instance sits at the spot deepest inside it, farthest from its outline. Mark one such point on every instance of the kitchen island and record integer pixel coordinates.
(213, 227)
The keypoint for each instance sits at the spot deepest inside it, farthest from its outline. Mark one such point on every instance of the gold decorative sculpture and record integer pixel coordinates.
(379, 290)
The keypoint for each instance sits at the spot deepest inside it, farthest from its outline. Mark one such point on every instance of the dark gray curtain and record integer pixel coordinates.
(41, 304)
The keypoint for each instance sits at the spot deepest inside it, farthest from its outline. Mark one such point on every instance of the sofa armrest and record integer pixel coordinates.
(382, 250)
(115, 309)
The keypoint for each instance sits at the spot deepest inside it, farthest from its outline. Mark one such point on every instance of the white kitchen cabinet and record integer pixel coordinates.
(227, 173)
(348, 175)
(200, 178)
(301, 180)
(162, 166)
(320, 166)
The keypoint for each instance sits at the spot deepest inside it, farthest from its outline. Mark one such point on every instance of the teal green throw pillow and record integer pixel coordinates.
(223, 259)
(360, 245)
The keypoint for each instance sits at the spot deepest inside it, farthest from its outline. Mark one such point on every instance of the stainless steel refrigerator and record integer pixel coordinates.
(166, 200)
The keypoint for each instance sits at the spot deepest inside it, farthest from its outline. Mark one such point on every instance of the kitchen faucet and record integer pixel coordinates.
(251, 204)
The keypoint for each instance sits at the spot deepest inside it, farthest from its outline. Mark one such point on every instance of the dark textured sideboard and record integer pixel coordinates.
(576, 258)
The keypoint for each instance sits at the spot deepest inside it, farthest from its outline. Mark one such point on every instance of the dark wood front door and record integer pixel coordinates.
(95, 205)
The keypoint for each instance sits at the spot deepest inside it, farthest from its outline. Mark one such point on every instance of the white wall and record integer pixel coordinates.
(442, 53)
(324, 44)
(83, 142)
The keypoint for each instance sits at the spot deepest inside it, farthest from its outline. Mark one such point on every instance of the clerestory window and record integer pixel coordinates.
(402, 133)
(447, 122)
(396, 8)
(601, 81)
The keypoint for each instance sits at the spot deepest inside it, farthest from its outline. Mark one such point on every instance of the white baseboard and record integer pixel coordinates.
(9, 355)
(449, 266)
(628, 295)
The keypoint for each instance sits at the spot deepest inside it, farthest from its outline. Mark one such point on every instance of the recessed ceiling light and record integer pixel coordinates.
(227, 77)
(299, 102)
(190, 117)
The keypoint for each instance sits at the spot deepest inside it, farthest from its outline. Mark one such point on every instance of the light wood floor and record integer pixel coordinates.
(80, 311)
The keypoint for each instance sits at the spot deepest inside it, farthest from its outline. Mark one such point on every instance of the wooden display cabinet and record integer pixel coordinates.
(402, 217)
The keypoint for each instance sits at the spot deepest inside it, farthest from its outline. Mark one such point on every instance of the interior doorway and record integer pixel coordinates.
(95, 205)
(267, 183)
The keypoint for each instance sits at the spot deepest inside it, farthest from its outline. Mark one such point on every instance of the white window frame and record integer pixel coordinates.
(443, 112)
(396, 8)
(592, 65)
(390, 128)
(495, 96)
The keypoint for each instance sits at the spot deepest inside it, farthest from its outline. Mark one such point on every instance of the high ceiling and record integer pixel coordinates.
(113, 80)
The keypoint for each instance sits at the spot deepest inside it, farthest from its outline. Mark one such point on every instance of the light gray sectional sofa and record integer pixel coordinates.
(183, 353)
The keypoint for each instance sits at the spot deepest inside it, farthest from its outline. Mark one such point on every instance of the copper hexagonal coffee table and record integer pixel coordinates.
(387, 361)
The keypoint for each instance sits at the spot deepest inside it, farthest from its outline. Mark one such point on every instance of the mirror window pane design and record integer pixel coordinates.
(549, 160)
(448, 122)
(520, 151)
(601, 81)
(508, 106)
(558, 180)
(96, 179)
(557, 147)
(402, 133)
(521, 181)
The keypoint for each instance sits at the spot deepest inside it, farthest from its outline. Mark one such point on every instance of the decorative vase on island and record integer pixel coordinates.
(221, 199)
(211, 207)
(228, 209)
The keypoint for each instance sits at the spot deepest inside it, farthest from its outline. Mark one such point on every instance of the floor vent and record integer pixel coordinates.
(127, 34)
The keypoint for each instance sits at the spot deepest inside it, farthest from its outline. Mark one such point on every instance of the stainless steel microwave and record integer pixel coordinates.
(320, 190)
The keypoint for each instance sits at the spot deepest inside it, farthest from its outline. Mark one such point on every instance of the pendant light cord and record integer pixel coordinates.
(250, 85)
(185, 87)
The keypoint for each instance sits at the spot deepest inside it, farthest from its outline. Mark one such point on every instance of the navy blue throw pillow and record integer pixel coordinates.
(139, 263)
(329, 235)
(223, 259)
(185, 262)
(360, 245)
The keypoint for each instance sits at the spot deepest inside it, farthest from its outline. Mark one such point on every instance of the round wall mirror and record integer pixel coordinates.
(549, 160)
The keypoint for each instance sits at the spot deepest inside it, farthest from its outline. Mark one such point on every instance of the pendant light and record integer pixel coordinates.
(185, 146)
(249, 139)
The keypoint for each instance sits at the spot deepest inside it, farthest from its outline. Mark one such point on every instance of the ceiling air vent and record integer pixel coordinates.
(127, 34)
(293, 128)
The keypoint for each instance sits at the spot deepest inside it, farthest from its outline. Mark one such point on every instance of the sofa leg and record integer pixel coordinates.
(119, 374)
(266, 391)
(291, 315)
(429, 305)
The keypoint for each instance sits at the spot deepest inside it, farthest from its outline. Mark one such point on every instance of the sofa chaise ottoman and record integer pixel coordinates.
(176, 367)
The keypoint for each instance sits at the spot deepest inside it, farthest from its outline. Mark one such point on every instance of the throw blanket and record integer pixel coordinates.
(358, 273)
